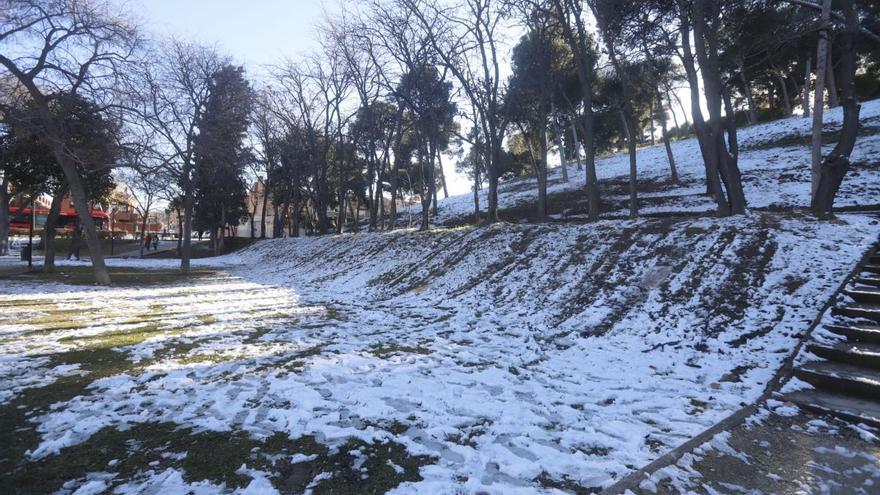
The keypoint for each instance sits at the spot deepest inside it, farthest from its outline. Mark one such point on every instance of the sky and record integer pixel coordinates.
(258, 33)
(254, 32)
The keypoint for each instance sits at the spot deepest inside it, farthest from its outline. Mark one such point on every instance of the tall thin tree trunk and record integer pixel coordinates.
(340, 211)
(442, 175)
(186, 251)
(477, 157)
(264, 207)
(392, 207)
(807, 73)
(818, 102)
(833, 100)
(747, 87)
(836, 164)
(560, 135)
(661, 114)
(179, 232)
(633, 167)
(786, 101)
(221, 244)
(78, 194)
(4, 217)
(576, 146)
(49, 231)
(143, 234)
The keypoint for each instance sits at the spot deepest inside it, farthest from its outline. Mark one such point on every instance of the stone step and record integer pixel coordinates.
(858, 311)
(864, 294)
(870, 281)
(843, 378)
(871, 268)
(840, 405)
(854, 353)
(859, 333)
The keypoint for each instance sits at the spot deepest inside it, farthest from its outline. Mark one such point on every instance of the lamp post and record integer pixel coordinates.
(31, 232)
(112, 235)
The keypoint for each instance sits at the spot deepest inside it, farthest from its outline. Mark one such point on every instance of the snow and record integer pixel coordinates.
(508, 353)
(773, 178)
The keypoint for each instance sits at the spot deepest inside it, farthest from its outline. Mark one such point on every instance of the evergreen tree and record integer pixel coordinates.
(220, 155)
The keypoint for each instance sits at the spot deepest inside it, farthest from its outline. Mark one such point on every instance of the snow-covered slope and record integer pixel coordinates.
(533, 358)
(521, 359)
(773, 176)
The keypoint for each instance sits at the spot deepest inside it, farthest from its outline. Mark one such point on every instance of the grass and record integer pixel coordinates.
(118, 338)
(203, 249)
(130, 452)
(121, 277)
(62, 246)
(386, 350)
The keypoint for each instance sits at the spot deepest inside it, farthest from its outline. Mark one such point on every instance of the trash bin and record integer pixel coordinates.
(26, 252)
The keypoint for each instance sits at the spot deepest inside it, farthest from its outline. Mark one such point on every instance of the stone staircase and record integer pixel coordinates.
(847, 382)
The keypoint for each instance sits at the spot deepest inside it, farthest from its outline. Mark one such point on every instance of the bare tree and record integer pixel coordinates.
(317, 88)
(172, 91)
(147, 181)
(466, 39)
(71, 47)
(602, 11)
(570, 14)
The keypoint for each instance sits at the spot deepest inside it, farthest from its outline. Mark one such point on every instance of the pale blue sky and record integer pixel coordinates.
(254, 32)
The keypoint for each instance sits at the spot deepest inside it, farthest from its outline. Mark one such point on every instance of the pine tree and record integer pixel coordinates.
(220, 154)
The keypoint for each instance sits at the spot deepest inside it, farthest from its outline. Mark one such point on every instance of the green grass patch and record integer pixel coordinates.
(119, 338)
(386, 350)
(120, 276)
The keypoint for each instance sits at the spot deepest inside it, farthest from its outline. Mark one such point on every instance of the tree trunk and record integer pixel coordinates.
(719, 164)
(432, 184)
(143, 234)
(578, 38)
(494, 160)
(477, 157)
(833, 100)
(836, 164)
(661, 114)
(807, 72)
(4, 217)
(221, 244)
(442, 175)
(633, 170)
(263, 212)
(179, 233)
(818, 98)
(576, 146)
(186, 252)
(539, 167)
(392, 207)
(560, 136)
(78, 193)
(340, 211)
(747, 88)
(786, 101)
(49, 232)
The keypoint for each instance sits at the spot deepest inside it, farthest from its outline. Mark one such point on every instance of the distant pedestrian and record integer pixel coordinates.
(147, 241)
(155, 243)
(75, 240)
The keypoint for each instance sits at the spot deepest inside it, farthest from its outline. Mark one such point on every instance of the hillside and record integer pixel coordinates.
(514, 358)
(507, 359)
(774, 161)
